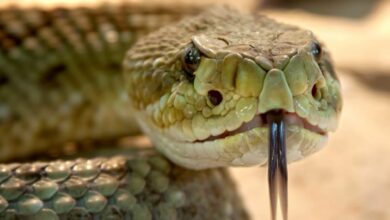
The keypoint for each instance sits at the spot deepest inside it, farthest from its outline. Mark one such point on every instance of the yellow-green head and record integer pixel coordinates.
(201, 88)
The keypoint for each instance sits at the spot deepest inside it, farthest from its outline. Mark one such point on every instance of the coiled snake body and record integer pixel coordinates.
(200, 89)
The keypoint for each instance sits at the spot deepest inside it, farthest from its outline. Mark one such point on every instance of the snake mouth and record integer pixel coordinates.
(260, 120)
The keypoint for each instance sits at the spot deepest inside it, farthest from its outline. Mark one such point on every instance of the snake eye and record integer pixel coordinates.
(190, 61)
(316, 50)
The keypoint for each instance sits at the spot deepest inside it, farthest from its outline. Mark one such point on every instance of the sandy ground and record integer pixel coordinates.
(350, 177)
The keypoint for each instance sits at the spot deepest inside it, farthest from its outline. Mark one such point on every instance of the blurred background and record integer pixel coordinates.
(350, 177)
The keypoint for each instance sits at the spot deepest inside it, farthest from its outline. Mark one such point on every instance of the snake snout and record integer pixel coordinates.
(243, 78)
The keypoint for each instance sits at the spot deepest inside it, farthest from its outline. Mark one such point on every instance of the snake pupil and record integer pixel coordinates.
(316, 50)
(190, 61)
(215, 97)
(192, 57)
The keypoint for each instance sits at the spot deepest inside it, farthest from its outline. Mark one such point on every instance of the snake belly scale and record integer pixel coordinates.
(200, 89)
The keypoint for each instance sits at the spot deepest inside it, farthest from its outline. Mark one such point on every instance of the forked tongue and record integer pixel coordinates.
(277, 165)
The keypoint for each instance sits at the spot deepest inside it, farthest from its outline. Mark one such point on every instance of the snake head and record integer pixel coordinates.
(201, 88)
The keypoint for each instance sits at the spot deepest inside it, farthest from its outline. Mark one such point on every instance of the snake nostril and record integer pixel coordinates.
(315, 92)
(215, 97)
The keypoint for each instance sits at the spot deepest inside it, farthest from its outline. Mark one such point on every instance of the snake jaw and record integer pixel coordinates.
(260, 120)
(247, 145)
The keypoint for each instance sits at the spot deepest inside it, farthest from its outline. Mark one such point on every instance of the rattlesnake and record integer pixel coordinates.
(201, 89)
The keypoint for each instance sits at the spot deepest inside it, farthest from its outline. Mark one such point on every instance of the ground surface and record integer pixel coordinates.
(350, 178)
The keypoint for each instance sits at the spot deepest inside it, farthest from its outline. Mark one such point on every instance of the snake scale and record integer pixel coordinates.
(201, 89)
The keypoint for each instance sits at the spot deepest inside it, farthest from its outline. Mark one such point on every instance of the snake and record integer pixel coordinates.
(215, 89)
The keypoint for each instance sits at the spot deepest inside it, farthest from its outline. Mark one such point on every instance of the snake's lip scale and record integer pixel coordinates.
(295, 119)
(260, 120)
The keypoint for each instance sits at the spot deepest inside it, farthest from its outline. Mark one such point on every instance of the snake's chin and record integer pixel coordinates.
(245, 146)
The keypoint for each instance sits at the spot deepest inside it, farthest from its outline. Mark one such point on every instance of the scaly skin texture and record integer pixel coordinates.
(254, 65)
(61, 77)
(138, 185)
(60, 81)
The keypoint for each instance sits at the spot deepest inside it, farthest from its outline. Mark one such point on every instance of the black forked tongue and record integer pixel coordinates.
(277, 165)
